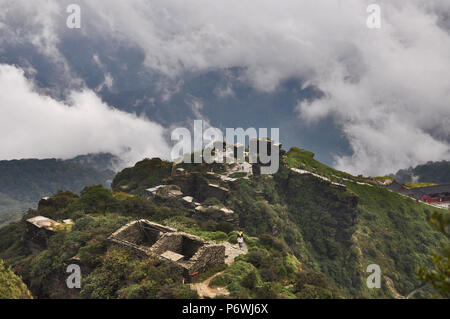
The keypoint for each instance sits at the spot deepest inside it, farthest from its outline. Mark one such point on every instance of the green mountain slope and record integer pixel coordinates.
(431, 172)
(309, 235)
(24, 182)
(11, 286)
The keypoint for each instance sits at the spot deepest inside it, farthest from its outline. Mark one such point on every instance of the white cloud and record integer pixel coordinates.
(396, 114)
(32, 125)
(387, 88)
(36, 23)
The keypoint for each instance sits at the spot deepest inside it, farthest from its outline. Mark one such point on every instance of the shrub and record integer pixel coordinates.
(232, 238)
(235, 273)
(212, 201)
(272, 242)
(11, 286)
(310, 278)
(224, 227)
(268, 290)
(97, 200)
(269, 274)
(218, 236)
(258, 258)
(250, 280)
(314, 292)
(176, 292)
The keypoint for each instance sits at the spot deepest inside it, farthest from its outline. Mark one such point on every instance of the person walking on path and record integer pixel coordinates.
(240, 239)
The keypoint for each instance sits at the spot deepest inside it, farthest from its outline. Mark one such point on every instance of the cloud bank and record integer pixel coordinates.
(387, 89)
(37, 126)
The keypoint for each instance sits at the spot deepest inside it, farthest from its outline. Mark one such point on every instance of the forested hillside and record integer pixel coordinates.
(11, 286)
(431, 172)
(309, 235)
(24, 182)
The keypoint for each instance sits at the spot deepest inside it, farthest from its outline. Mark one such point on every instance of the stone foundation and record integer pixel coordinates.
(194, 254)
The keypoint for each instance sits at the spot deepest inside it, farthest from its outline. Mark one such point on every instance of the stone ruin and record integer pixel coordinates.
(39, 228)
(217, 213)
(193, 184)
(41, 222)
(191, 253)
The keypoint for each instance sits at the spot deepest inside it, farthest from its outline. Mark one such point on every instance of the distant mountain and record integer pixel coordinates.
(431, 172)
(24, 182)
(99, 162)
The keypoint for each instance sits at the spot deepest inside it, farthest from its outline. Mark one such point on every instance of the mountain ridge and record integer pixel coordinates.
(24, 182)
(311, 233)
(431, 172)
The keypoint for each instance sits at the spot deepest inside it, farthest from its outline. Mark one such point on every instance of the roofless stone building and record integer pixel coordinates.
(193, 254)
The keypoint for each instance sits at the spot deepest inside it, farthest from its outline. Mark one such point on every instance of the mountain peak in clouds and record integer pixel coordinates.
(366, 100)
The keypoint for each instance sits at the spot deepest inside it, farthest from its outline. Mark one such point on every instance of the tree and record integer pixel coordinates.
(11, 286)
(439, 275)
(97, 199)
(250, 280)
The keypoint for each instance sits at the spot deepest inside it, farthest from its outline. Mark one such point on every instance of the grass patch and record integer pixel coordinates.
(415, 185)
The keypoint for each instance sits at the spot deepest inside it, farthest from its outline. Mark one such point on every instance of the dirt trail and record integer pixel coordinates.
(390, 284)
(203, 289)
(232, 251)
(391, 287)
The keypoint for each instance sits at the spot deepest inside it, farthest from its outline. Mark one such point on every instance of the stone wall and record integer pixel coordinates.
(207, 257)
(190, 246)
(172, 242)
(130, 233)
(37, 235)
(199, 255)
(215, 213)
(181, 243)
(139, 251)
(214, 190)
(140, 231)
(195, 185)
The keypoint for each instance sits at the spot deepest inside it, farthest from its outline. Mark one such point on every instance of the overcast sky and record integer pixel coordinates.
(387, 89)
